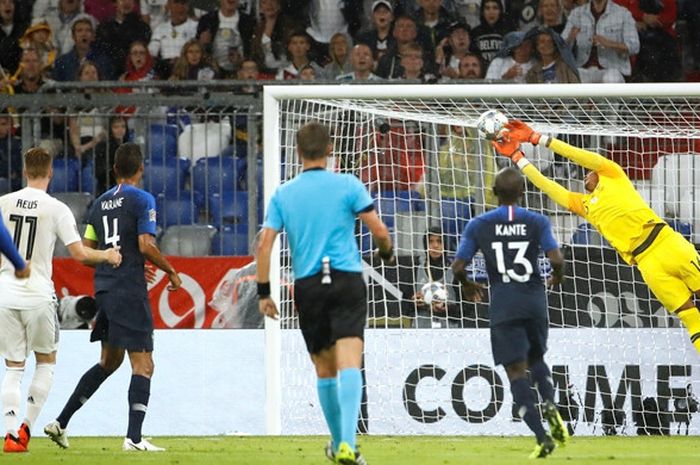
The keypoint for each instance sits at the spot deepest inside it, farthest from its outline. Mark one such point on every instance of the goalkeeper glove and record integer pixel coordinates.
(522, 132)
(508, 147)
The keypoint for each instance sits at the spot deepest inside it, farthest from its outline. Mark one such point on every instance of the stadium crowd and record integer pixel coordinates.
(429, 40)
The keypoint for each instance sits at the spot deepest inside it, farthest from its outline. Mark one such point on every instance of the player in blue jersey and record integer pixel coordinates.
(317, 209)
(510, 237)
(124, 216)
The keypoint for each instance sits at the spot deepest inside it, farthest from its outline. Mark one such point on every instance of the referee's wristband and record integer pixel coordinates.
(386, 254)
(263, 289)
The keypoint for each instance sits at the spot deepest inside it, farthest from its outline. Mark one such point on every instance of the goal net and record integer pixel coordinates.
(621, 363)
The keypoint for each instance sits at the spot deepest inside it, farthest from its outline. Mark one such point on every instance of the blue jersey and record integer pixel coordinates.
(510, 239)
(317, 209)
(118, 217)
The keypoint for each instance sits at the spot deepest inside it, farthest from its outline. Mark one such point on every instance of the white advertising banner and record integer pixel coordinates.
(444, 381)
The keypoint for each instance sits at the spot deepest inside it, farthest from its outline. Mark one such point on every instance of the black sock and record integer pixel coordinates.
(139, 392)
(88, 384)
(525, 404)
(542, 378)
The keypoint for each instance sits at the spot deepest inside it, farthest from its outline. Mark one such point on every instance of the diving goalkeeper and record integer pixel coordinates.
(669, 264)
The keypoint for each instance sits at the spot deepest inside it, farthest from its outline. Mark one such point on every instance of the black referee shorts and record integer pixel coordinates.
(328, 312)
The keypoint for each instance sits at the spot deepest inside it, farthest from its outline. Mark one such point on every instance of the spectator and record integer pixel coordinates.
(379, 38)
(169, 36)
(117, 34)
(362, 65)
(339, 53)
(104, 153)
(269, 41)
(451, 49)
(434, 266)
(89, 127)
(227, 35)
(527, 16)
(325, 18)
(247, 72)
(139, 64)
(194, 64)
(405, 32)
(30, 75)
(514, 59)
(84, 48)
(658, 59)
(435, 19)
(60, 20)
(690, 11)
(468, 10)
(413, 65)
(101, 10)
(605, 36)
(307, 73)
(487, 37)
(154, 12)
(466, 167)
(554, 62)
(550, 13)
(11, 29)
(471, 67)
(298, 47)
(10, 153)
(569, 6)
(38, 37)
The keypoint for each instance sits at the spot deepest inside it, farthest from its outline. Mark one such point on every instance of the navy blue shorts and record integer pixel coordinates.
(519, 340)
(328, 312)
(118, 335)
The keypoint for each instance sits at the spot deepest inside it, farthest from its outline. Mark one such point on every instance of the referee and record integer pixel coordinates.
(317, 209)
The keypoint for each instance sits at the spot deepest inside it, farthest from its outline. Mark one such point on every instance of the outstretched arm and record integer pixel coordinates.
(521, 132)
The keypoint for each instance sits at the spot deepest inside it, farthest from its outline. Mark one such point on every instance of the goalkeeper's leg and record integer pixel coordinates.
(690, 316)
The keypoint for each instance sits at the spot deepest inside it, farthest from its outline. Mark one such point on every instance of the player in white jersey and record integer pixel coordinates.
(28, 317)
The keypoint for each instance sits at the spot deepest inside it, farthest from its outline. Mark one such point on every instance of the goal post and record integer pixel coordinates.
(614, 350)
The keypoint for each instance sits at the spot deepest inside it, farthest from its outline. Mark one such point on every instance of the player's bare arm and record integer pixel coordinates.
(88, 255)
(472, 290)
(263, 252)
(556, 259)
(380, 233)
(150, 250)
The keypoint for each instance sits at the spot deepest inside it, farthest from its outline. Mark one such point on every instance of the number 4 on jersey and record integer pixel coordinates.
(111, 237)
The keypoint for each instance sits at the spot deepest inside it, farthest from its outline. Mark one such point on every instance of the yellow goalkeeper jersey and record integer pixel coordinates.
(614, 208)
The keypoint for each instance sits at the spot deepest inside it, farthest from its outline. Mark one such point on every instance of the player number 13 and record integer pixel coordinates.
(520, 248)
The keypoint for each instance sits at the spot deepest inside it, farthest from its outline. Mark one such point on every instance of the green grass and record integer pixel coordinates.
(379, 450)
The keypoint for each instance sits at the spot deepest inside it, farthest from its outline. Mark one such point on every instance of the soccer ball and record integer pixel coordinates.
(491, 124)
(434, 292)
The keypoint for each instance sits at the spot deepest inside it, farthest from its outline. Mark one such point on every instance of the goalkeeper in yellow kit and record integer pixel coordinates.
(669, 264)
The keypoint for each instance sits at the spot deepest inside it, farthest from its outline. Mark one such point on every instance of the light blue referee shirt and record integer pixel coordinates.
(317, 209)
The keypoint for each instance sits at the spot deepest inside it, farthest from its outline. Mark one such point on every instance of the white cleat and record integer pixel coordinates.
(144, 445)
(57, 434)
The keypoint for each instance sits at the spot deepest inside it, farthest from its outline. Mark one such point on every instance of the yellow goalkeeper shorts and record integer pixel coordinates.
(671, 269)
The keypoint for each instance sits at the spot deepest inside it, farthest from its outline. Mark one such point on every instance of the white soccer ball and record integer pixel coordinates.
(434, 292)
(491, 124)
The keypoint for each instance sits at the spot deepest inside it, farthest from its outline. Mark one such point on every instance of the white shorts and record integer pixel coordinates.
(26, 331)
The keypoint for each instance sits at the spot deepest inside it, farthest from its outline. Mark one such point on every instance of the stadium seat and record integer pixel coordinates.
(231, 240)
(455, 215)
(188, 240)
(88, 184)
(162, 141)
(682, 227)
(4, 186)
(228, 207)
(78, 202)
(65, 175)
(176, 211)
(217, 174)
(201, 140)
(586, 234)
(166, 177)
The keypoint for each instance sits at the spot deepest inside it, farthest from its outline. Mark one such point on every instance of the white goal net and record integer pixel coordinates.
(621, 364)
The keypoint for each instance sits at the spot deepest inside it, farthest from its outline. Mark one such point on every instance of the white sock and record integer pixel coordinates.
(10, 396)
(38, 391)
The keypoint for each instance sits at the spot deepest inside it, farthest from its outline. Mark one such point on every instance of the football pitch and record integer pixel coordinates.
(378, 450)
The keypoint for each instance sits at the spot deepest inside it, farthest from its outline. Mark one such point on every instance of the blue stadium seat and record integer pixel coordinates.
(87, 179)
(162, 141)
(456, 213)
(231, 240)
(166, 177)
(228, 207)
(586, 234)
(217, 174)
(65, 175)
(682, 227)
(176, 211)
